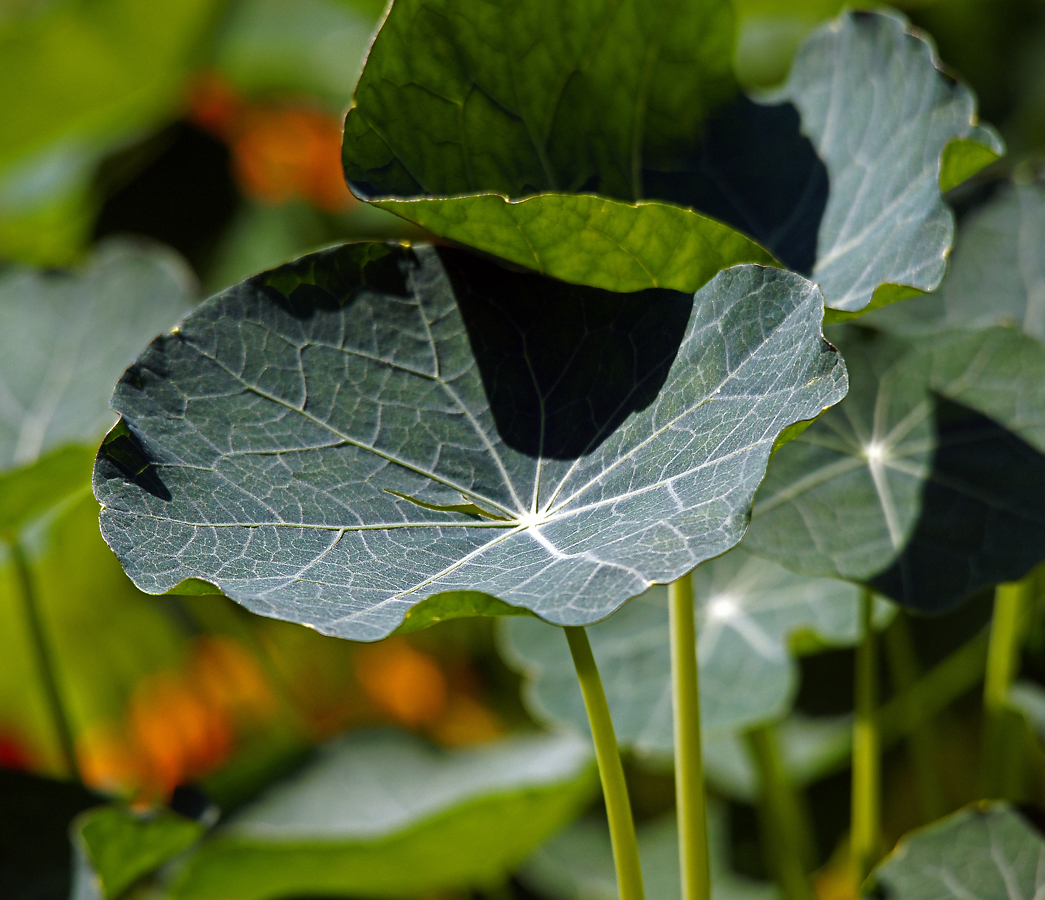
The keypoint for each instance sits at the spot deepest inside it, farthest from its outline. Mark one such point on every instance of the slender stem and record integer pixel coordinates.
(614, 788)
(689, 767)
(866, 763)
(1000, 762)
(786, 827)
(44, 659)
(922, 746)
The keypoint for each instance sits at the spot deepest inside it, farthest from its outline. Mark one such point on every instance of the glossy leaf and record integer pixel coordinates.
(928, 481)
(987, 851)
(838, 174)
(383, 815)
(65, 339)
(338, 439)
(748, 612)
(996, 274)
(121, 847)
(577, 864)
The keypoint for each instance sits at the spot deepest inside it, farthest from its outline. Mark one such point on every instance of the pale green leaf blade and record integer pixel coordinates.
(577, 864)
(317, 441)
(384, 815)
(987, 851)
(65, 339)
(880, 114)
(748, 610)
(121, 847)
(927, 482)
(996, 274)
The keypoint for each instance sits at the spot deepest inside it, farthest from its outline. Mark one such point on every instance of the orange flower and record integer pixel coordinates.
(404, 683)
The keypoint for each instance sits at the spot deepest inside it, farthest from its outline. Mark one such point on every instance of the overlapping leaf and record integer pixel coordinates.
(577, 864)
(996, 275)
(989, 852)
(928, 481)
(459, 119)
(383, 815)
(748, 610)
(336, 440)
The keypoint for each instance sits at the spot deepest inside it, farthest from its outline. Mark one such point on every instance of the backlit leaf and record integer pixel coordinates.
(338, 439)
(987, 851)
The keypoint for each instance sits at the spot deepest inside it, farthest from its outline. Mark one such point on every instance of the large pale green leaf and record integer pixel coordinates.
(383, 815)
(996, 274)
(928, 482)
(748, 610)
(987, 851)
(65, 339)
(577, 864)
(838, 174)
(338, 439)
(881, 114)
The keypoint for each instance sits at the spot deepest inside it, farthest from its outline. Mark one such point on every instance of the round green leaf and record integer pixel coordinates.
(384, 815)
(748, 609)
(928, 481)
(338, 439)
(987, 851)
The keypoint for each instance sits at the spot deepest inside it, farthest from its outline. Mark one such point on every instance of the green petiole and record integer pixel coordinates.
(786, 827)
(689, 769)
(611, 772)
(866, 787)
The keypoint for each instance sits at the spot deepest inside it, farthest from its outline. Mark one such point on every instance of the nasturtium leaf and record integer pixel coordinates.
(748, 609)
(997, 272)
(881, 114)
(986, 851)
(928, 482)
(384, 815)
(65, 339)
(838, 174)
(336, 440)
(577, 864)
(120, 846)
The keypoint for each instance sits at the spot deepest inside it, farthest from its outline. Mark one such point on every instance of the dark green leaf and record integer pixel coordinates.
(383, 815)
(928, 482)
(121, 847)
(988, 851)
(303, 439)
(748, 611)
(838, 174)
(577, 864)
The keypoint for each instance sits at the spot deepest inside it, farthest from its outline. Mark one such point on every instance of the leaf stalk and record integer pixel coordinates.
(45, 661)
(611, 772)
(866, 785)
(689, 768)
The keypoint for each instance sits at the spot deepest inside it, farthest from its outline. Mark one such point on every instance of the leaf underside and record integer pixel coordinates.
(610, 440)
